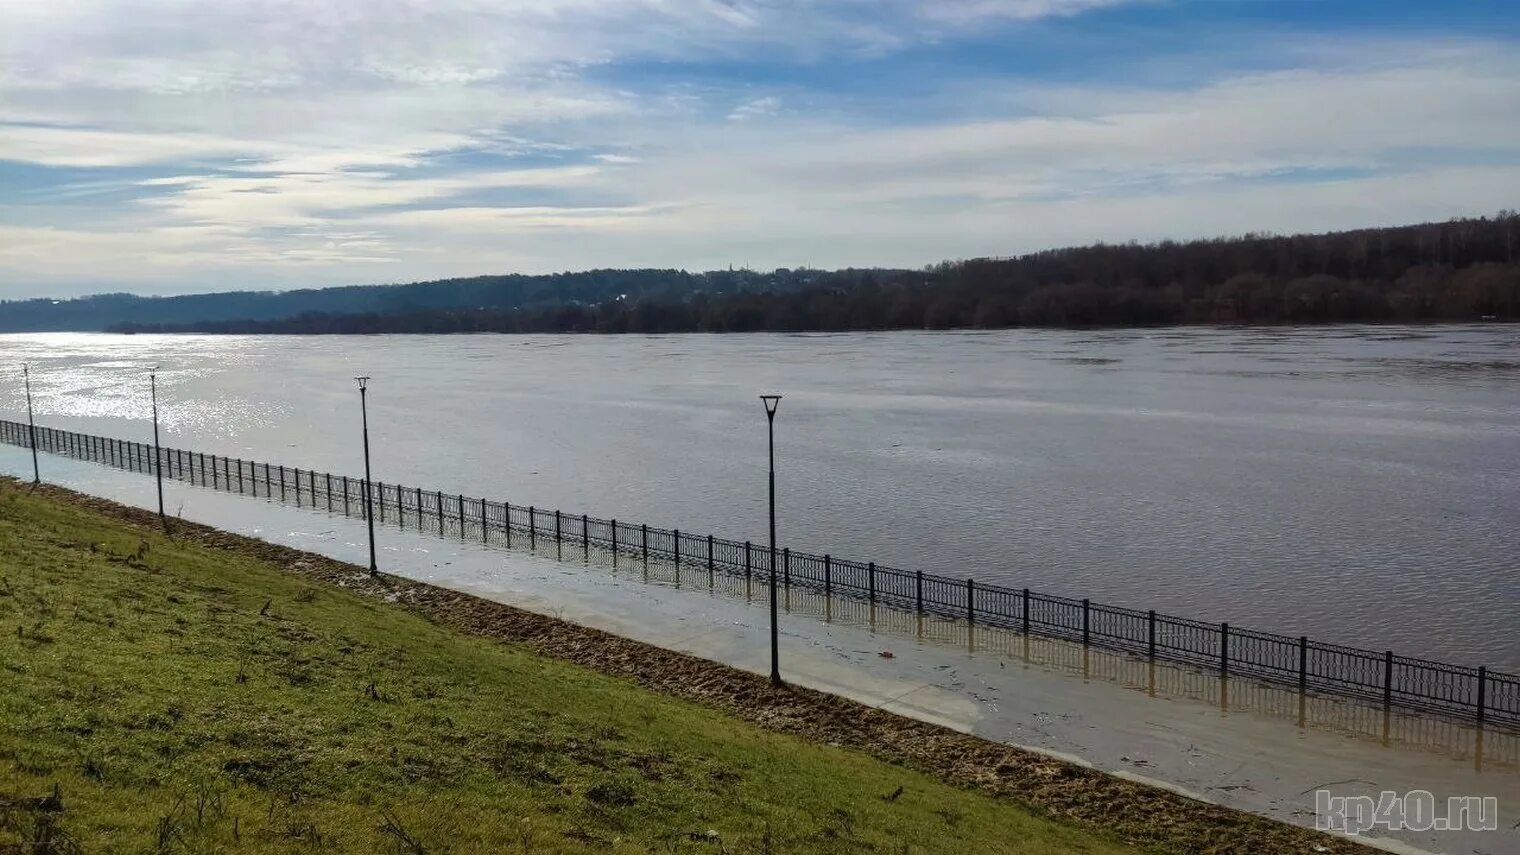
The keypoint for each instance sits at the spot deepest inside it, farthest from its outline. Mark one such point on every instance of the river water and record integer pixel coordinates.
(1359, 485)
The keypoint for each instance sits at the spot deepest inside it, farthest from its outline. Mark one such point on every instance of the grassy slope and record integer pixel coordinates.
(192, 700)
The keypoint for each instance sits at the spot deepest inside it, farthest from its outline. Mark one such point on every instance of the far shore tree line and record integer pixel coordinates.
(1462, 270)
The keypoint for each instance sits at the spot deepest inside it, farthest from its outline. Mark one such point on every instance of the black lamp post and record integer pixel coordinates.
(369, 505)
(31, 424)
(158, 454)
(771, 402)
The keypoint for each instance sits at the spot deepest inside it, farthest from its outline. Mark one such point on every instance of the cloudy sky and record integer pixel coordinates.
(167, 146)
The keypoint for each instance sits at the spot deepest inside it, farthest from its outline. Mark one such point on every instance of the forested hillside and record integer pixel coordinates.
(1467, 269)
(513, 290)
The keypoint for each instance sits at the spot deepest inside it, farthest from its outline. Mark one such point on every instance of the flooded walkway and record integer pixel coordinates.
(1236, 742)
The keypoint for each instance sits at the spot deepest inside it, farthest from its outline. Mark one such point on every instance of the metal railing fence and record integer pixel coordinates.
(1471, 693)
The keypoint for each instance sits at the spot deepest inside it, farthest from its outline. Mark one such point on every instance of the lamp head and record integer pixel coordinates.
(363, 381)
(771, 402)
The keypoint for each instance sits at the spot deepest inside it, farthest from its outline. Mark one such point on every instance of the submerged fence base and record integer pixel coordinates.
(1473, 694)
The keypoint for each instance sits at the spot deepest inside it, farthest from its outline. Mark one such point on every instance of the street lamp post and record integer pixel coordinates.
(31, 424)
(369, 505)
(158, 454)
(771, 402)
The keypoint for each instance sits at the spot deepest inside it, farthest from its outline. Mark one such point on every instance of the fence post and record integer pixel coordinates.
(709, 561)
(828, 575)
(970, 602)
(327, 482)
(614, 542)
(1224, 649)
(345, 491)
(506, 518)
(918, 589)
(1482, 691)
(1086, 610)
(558, 537)
(644, 531)
(586, 534)
(1026, 611)
(532, 527)
(240, 476)
(786, 566)
(675, 538)
(485, 526)
(311, 475)
(871, 580)
(746, 560)
(461, 517)
(298, 486)
(253, 479)
(438, 498)
(1303, 662)
(1150, 635)
(1387, 679)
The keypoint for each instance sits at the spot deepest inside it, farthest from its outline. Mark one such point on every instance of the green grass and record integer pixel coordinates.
(191, 700)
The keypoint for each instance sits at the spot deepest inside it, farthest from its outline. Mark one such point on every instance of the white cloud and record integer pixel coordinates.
(330, 141)
(756, 108)
(312, 198)
(972, 11)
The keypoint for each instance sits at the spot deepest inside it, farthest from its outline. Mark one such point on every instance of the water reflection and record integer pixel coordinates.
(1490, 749)
(1353, 484)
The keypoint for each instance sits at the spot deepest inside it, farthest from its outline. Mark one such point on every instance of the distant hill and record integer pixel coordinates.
(1465, 269)
(108, 311)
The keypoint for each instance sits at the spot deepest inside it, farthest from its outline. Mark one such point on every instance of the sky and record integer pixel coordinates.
(177, 146)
